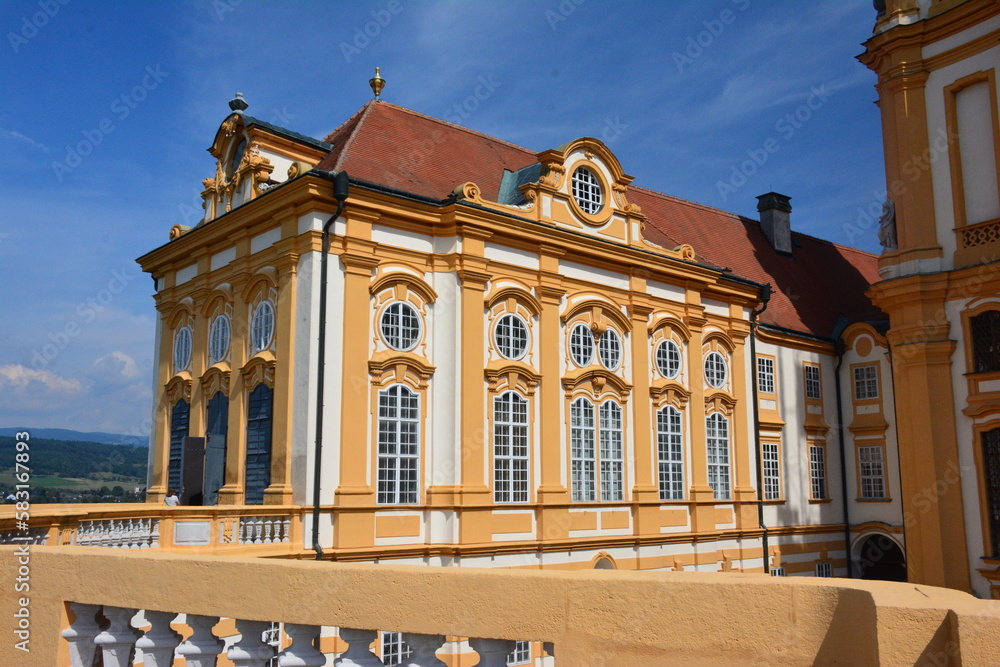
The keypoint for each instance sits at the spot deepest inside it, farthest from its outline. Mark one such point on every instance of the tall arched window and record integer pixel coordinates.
(398, 445)
(985, 330)
(260, 412)
(584, 438)
(612, 457)
(510, 448)
(180, 417)
(717, 437)
(991, 478)
(670, 444)
(215, 446)
(581, 437)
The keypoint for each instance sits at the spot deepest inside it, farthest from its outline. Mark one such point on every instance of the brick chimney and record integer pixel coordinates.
(776, 220)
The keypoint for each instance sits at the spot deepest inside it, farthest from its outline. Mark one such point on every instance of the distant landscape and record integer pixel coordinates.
(79, 436)
(76, 471)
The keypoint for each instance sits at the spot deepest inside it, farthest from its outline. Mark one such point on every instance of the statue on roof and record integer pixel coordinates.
(887, 226)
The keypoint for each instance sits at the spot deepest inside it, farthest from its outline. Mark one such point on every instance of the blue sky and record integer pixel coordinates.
(107, 108)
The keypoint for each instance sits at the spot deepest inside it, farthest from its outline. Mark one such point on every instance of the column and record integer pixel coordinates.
(553, 517)
(160, 457)
(645, 492)
(236, 428)
(700, 494)
(744, 495)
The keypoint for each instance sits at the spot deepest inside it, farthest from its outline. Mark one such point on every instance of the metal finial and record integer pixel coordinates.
(377, 83)
(238, 103)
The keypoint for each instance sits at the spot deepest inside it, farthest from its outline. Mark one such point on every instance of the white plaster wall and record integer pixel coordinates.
(443, 435)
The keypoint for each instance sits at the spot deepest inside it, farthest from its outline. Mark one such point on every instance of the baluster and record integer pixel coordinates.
(81, 534)
(81, 633)
(287, 526)
(424, 649)
(492, 652)
(160, 641)
(251, 650)
(146, 526)
(202, 648)
(258, 530)
(243, 530)
(267, 530)
(154, 535)
(118, 641)
(358, 653)
(301, 653)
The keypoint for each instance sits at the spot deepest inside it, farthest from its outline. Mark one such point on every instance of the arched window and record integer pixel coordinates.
(668, 359)
(258, 468)
(180, 417)
(182, 349)
(985, 329)
(262, 326)
(670, 444)
(587, 190)
(237, 157)
(612, 457)
(510, 448)
(715, 370)
(398, 445)
(717, 437)
(584, 434)
(581, 437)
(218, 339)
(581, 345)
(400, 326)
(609, 349)
(511, 336)
(991, 477)
(215, 446)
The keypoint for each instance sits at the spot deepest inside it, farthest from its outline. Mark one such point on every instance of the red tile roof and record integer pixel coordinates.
(399, 148)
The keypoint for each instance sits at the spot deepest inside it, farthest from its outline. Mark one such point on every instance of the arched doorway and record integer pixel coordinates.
(879, 557)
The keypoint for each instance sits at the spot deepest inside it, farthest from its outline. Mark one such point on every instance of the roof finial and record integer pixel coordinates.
(377, 83)
(238, 103)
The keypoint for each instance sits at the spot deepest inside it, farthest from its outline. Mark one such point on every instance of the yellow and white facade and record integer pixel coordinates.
(937, 64)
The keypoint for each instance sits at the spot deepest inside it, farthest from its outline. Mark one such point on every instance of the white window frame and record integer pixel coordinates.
(398, 470)
(866, 382)
(778, 571)
(511, 337)
(817, 472)
(666, 352)
(716, 370)
(670, 448)
(262, 326)
(511, 444)
(587, 190)
(824, 569)
(609, 349)
(871, 472)
(771, 466)
(392, 649)
(814, 385)
(581, 345)
(583, 455)
(717, 454)
(521, 655)
(182, 349)
(612, 435)
(219, 338)
(765, 375)
(398, 333)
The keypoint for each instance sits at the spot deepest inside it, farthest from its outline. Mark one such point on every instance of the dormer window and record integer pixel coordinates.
(237, 158)
(587, 190)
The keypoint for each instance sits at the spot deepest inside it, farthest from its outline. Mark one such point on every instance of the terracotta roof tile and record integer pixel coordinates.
(818, 285)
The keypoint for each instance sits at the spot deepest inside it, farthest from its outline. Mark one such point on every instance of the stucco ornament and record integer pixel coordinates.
(887, 226)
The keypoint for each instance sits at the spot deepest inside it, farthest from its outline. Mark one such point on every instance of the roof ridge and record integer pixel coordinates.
(364, 112)
(741, 218)
(346, 122)
(459, 127)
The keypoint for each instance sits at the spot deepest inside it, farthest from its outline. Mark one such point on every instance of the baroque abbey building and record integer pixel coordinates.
(531, 362)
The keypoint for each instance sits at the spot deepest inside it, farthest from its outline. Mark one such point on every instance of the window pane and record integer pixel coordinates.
(671, 456)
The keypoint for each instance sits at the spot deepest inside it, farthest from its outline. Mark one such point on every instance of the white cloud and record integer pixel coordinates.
(115, 367)
(21, 380)
(14, 134)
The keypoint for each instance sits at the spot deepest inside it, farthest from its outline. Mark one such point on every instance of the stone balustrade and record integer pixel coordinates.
(214, 529)
(92, 598)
